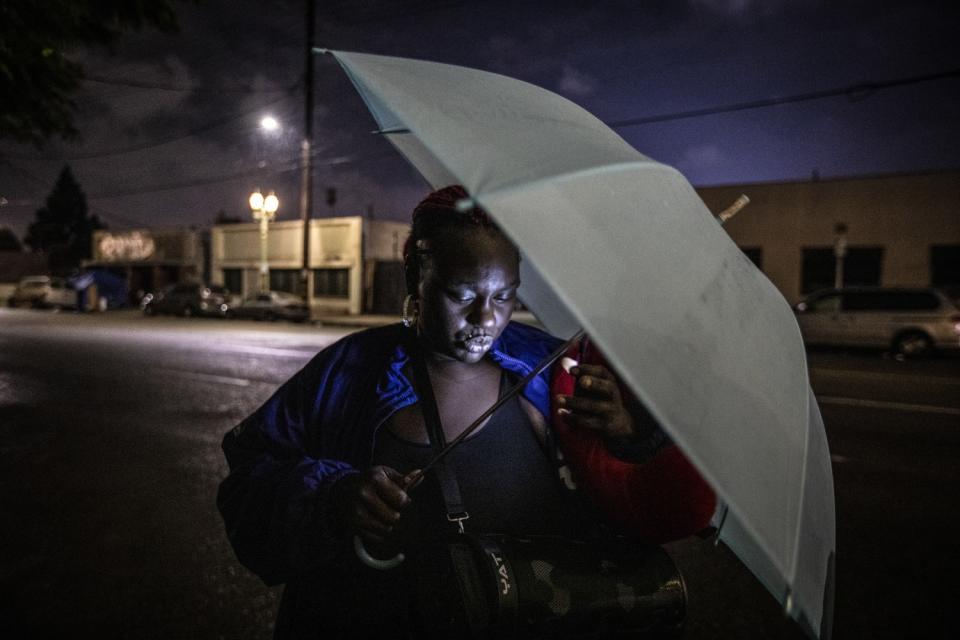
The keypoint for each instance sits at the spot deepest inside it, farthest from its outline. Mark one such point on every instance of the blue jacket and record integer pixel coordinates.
(320, 426)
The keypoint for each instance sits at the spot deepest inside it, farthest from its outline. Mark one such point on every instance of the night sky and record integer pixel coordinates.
(170, 124)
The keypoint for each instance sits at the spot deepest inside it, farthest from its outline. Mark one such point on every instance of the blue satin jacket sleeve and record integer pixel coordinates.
(319, 427)
(274, 501)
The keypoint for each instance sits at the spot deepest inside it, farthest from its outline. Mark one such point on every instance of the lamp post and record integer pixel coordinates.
(839, 253)
(264, 210)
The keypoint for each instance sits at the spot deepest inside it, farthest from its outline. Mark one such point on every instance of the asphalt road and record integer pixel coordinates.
(109, 463)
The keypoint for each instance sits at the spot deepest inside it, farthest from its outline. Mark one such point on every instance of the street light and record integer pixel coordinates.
(264, 210)
(269, 124)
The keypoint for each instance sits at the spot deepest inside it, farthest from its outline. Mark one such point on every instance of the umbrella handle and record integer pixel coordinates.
(372, 562)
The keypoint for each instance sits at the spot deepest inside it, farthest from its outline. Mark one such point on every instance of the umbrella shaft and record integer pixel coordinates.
(516, 389)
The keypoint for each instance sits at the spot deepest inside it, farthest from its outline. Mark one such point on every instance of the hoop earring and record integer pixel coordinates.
(409, 314)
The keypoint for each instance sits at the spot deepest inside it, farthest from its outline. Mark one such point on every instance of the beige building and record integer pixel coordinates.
(900, 230)
(355, 264)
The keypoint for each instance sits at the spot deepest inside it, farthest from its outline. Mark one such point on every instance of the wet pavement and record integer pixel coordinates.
(110, 459)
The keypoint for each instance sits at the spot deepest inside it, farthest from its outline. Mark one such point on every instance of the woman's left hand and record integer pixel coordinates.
(596, 403)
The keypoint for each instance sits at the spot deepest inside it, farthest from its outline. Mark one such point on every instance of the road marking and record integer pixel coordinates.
(887, 377)
(883, 404)
(208, 377)
(859, 465)
(267, 351)
(206, 438)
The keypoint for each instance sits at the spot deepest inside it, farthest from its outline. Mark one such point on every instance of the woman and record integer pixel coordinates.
(333, 452)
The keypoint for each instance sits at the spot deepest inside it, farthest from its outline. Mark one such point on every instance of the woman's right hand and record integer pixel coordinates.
(370, 503)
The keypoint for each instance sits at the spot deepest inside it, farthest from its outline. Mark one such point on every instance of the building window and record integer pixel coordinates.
(755, 254)
(861, 268)
(945, 267)
(331, 283)
(817, 269)
(233, 280)
(285, 280)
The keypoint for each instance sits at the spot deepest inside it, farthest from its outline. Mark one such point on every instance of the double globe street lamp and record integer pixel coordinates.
(264, 210)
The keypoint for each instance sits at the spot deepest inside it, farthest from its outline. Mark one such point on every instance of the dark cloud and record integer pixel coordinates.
(184, 109)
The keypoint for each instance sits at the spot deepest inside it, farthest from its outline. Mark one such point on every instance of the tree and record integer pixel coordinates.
(63, 229)
(37, 78)
(9, 240)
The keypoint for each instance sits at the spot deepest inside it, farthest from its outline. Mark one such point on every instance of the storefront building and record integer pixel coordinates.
(149, 259)
(355, 266)
(894, 230)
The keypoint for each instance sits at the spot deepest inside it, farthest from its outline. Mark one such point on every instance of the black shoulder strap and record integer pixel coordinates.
(456, 512)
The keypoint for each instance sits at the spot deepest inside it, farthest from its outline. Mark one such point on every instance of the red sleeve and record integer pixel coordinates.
(659, 500)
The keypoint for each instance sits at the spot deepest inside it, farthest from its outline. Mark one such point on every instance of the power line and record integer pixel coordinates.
(854, 92)
(29, 175)
(114, 218)
(156, 143)
(292, 164)
(284, 165)
(138, 84)
(353, 14)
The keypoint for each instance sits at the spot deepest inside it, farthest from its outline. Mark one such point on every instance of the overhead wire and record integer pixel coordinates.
(350, 14)
(111, 218)
(854, 92)
(195, 88)
(29, 175)
(286, 166)
(155, 143)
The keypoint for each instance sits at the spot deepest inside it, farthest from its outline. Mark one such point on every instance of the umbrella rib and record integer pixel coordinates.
(795, 556)
(788, 572)
(520, 184)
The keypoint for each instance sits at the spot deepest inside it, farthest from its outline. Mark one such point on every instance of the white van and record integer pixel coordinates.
(910, 321)
(44, 291)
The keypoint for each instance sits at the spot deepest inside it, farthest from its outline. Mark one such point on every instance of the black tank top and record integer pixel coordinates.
(508, 484)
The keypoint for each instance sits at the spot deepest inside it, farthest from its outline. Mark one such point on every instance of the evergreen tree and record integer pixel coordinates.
(64, 229)
(8, 240)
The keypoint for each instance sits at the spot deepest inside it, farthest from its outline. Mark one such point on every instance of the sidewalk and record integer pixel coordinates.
(362, 320)
(375, 320)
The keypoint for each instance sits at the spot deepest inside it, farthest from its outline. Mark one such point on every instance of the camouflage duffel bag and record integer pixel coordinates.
(496, 586)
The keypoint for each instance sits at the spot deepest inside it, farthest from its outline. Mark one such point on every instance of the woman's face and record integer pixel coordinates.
(468, 288)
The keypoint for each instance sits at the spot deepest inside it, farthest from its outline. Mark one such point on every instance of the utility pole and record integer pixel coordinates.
(306, 176)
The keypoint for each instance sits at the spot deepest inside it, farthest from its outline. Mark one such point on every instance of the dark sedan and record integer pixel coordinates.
(274, 305)
(189, 299)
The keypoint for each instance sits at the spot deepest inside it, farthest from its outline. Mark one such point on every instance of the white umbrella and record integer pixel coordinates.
(622, 246)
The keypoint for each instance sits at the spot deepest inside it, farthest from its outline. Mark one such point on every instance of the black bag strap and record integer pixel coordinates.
(449, 487)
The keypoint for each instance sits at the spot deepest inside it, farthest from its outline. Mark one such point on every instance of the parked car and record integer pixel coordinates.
(44, 292)
(274, 305)
(909, 321)
(190, 299)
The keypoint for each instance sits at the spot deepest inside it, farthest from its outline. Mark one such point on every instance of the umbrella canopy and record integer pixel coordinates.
(622, 246)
